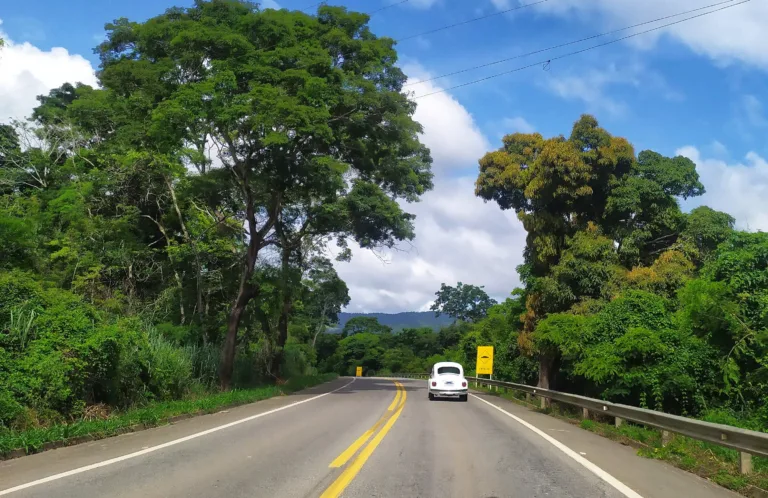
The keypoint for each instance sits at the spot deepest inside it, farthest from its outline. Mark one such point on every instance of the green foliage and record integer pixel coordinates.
(464, 302)
(360, 324)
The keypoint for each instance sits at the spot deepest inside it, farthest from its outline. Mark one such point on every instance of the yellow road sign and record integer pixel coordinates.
(484, 360)
(359, 372)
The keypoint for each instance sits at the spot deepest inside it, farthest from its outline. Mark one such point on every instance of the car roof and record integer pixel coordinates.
(448, 364)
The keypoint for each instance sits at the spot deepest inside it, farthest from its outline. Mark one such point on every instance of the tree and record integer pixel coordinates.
(326, 295)
(305, 114)
(468, 303)
(590, 181)
(368, 324)
(705, 229)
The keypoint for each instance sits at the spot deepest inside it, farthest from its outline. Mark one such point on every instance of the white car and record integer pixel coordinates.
(446, 380)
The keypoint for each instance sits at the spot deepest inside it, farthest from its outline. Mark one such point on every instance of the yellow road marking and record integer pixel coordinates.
(359, 442)
(346, 477)
(392, 405)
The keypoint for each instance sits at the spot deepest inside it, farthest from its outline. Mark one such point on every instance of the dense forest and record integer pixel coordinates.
(167, 234)
(625, 297)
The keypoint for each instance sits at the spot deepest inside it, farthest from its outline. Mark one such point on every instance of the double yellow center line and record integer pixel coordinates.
(383, 425)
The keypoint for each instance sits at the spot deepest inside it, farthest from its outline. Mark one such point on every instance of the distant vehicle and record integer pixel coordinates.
(446, 380)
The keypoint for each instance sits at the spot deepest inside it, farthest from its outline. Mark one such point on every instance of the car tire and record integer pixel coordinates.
(464, 398)
(431, 397)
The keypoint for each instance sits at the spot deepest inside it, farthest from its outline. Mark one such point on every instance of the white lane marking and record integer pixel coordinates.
(151, 449)
(605, 476)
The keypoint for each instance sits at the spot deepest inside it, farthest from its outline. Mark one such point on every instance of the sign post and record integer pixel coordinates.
(359, 372)
(484, 364)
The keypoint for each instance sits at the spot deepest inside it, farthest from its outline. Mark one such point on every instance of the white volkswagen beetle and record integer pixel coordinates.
(446, 380)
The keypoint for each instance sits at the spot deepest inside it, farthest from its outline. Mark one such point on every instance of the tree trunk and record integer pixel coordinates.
(188, 239)
(320, 326)
(244, 295)
(547, 370)
(285, 311)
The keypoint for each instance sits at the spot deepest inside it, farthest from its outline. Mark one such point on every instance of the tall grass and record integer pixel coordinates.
(35, 439)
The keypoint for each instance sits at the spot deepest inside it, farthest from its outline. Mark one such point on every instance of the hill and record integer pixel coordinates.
(398, 321)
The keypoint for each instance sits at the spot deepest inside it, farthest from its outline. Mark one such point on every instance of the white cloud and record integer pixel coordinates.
(26, 72)
(592, 86)
(736, 33)
(449, 129)
(517, 124)
(740, 189)
(458, 238)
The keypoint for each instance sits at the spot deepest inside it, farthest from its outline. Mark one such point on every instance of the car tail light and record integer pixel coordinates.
(434, 383)
(464, 384)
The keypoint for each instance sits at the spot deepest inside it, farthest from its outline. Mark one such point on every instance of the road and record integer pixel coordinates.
(355, 438)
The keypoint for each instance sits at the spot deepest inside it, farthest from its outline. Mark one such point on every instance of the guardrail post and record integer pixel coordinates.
(745, 463)
(585, 413)
(618, 422)
(528, 397)
(543, 403)
(665, 438)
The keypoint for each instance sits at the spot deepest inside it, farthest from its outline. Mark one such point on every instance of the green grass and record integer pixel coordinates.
(710, 461)
(154, 414)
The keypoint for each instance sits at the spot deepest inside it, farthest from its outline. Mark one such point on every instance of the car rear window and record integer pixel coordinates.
(448, 370)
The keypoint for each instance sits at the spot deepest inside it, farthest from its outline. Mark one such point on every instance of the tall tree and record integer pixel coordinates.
(467, 303)
(310, 129)
(558, 187)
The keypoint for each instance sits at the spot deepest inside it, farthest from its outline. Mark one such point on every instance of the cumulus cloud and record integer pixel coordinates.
(27, 71)
(449, 129)
(733, 34)
(739, 189)
(458, 236)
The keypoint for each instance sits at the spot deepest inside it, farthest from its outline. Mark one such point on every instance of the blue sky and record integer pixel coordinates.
(697, 88)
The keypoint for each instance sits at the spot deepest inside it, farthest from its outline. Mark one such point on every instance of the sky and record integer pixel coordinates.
(697, 88)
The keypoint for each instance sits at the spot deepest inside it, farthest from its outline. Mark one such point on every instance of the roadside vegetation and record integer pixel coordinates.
(164, 237)
(99, 422)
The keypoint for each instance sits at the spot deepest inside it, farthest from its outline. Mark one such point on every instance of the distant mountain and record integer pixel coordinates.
(408, 319)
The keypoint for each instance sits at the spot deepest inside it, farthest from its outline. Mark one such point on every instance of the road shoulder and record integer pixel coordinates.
(30, 468)
(649, 478)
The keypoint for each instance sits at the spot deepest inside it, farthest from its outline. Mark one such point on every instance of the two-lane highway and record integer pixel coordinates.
(354, 438)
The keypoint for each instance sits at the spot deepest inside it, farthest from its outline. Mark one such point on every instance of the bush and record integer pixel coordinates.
(170, 369)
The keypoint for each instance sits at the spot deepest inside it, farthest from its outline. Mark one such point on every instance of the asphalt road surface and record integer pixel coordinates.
(355, 438)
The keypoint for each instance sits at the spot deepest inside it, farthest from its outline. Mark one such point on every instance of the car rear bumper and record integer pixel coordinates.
(454, 393)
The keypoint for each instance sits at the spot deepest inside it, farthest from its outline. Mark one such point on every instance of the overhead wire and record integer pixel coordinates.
(561, 45)
(468, 21)
(386, 7)
(547, 62)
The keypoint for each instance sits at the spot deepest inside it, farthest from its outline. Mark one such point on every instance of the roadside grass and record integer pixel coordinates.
(18, 443)
(715, 463)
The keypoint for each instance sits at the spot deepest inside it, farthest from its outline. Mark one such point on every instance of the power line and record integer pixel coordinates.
(386, 7)
(570, 54)
(449, 26)
(567, 43)
(312, 6)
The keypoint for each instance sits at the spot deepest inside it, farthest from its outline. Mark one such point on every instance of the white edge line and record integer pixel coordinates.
(605, 476)
(135, 454)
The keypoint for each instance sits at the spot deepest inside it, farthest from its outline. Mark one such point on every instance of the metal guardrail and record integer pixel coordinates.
(746, 441)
